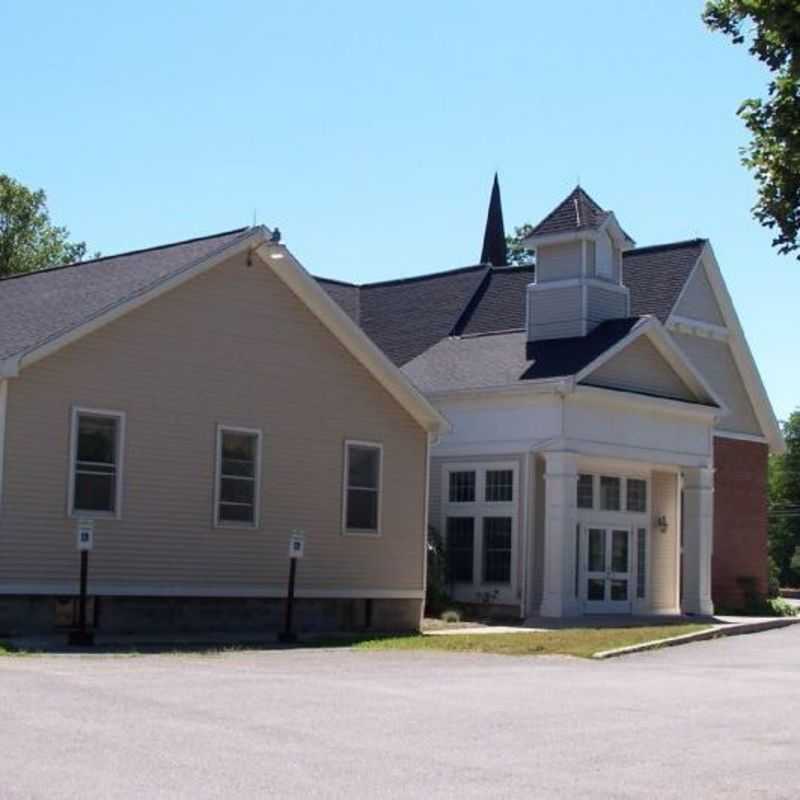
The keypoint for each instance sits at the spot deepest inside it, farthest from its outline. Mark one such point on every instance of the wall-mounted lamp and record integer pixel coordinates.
(661, 523)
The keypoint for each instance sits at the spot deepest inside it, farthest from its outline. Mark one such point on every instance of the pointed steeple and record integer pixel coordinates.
(494, 238)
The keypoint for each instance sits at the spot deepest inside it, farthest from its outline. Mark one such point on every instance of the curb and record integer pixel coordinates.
(717, 632)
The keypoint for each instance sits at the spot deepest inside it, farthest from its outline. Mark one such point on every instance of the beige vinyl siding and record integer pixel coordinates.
(555, 312)
(231, 347)
(557, 262)
(663, 549)
(605, 303)
(698, 300)
(714, 360)
(640, 368)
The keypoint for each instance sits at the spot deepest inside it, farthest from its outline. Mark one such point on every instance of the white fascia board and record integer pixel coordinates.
(697, 327)
(280, 260)
(612, 226)
(742, 355)
(666, 405)
(11, 366)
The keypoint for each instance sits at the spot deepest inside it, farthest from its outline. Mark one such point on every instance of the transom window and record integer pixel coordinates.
(362, 471)
(96, 480)
(585, 491)
(611, 493)
(636, 495)
(462, 486)
(499, 486)
(238, 476)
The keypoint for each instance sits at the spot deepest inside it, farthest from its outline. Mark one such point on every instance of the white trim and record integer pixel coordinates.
(285, 266)
(740, 350)
(119, 474)
(11, 366)
(697, 327)
(3, 417)
(377, 532)
(257, 481)
(566, 283)
(171, 590)
(745, 437)
(617, 397)
(612, 452)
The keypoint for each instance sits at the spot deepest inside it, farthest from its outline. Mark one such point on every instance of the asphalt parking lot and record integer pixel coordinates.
(712, 719)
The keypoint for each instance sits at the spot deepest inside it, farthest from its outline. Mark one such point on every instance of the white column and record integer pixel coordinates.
(698, 538)
(560, 523)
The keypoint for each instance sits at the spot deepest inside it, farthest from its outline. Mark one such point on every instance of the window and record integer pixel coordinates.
(460, 549)
(585, 491)
(641, 562)
(462, 486)
(499, 485)
(362, 487)
(238, 476)
(96, 473)
(636, 495)
(497, 549)
(609, 493)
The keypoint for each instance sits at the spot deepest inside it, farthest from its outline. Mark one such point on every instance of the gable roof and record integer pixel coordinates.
(577, 211)
(44, 311)
(37, 306)
(500, 359)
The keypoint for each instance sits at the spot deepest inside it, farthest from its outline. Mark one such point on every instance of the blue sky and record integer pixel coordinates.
(369, 132)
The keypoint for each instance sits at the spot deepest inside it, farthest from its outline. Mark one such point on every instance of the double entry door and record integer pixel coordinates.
(606, 569)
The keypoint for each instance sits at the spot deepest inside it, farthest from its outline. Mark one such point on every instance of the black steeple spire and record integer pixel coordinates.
(494, 237)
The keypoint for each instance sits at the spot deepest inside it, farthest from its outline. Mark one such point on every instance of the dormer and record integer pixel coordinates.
(579, 278)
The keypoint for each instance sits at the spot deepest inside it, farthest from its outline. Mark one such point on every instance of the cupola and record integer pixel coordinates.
(579, 277)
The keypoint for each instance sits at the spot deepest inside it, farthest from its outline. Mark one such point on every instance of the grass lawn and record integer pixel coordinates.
(582, 642)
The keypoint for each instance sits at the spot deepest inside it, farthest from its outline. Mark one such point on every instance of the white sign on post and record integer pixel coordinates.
(297, 543)
(85, 534)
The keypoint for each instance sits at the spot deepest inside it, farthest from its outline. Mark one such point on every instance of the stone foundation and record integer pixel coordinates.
(26, 614)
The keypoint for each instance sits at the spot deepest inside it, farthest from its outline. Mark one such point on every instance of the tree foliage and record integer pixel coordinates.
(28, 239)
(784, 505)
(771, 31)
(518, 254)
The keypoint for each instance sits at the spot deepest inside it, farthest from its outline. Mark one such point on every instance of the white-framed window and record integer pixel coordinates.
(585, 491)
(479, 520)
(636, 495)
(237, 489)
(363, 476)
(610, 493)
(97, 445)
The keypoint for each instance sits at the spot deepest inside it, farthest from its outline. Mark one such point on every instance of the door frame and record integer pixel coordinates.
(607, 606)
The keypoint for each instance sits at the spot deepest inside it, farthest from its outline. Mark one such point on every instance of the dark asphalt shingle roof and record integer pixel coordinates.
(503, 359)
(656, 275)
(577, 211)
(38, 306)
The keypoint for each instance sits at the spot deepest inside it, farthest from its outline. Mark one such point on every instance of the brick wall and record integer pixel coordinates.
(740, 518)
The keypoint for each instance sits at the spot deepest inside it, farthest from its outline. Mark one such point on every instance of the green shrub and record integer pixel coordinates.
(778, 607)
(451, 615)
(774, 579)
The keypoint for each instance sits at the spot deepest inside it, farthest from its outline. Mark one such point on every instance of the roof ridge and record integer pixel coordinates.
(124, 254)
(666, 245)
(413, 278)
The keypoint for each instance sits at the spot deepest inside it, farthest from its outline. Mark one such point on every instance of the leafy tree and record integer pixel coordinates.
(771, 30)
(784, 504)
(28, 239)
(518, 254)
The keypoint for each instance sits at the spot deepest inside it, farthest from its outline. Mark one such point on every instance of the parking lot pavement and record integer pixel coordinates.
(712, 719)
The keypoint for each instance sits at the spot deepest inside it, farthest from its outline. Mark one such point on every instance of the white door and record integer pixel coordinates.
(606, 574)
